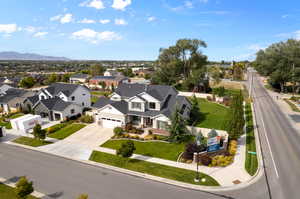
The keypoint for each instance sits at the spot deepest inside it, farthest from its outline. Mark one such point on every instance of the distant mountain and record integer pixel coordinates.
(29, 56)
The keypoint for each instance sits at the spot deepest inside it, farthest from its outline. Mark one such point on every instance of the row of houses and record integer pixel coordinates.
(146, 106)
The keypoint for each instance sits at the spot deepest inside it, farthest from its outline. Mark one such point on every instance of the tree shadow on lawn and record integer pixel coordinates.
(202, 117)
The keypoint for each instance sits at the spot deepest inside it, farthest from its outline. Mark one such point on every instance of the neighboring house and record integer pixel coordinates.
(110, 81)
(12, 81)
(74, 93)
(13, 99)
(112, 73)
(143, 73)
(79, 78)
(142, 105)
(57, 109)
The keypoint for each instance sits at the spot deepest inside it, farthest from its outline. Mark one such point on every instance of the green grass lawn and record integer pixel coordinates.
(292, 105)
(101, 93)
(94, 98)
(66, 131)
(213, 116)
(172, 173)
(251, 162)
(31, 141)
(7, 192)
(14, 116)
(169, 151)
(7, 125)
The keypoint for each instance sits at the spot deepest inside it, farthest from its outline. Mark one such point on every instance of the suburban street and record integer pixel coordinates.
(279, 141)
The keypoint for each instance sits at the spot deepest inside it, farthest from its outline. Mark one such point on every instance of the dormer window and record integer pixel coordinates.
(73, 98)
(152, 105)
(136, 105)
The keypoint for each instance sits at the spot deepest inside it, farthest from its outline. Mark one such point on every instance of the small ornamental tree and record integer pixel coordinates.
(118, 131)
(126, 150)
(38, 132)
(23, 188)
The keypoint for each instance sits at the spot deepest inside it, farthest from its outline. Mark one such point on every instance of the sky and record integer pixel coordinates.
(137, 29)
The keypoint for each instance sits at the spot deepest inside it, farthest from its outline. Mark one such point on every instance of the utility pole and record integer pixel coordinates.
(293, 79)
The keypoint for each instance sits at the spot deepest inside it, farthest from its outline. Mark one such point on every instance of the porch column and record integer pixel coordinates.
(142, 121)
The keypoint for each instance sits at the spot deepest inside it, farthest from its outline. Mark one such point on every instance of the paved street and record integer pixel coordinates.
(280, 143)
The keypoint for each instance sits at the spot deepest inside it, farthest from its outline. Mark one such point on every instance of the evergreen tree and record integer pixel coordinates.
(195, 111)
(23, 188)
(177, 129)
(38, 132)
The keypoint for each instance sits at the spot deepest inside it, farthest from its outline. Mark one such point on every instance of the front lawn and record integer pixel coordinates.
(66, 131)
(16, 115)
(94, 98)
(101, 93)
(213, 116)
(163, 171)
(7, 192)
(169, 151)
(251, 162)
(7, 125)
(31, 141)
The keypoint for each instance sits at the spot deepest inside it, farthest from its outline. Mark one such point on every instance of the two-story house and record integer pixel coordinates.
(141, 105)
(59, 101)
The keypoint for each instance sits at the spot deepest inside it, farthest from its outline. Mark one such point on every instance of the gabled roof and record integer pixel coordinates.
(55, 104)
(159, 92)
(113, 78)
(33, 99)
(13, 93)
(121, 106)
(67, 89)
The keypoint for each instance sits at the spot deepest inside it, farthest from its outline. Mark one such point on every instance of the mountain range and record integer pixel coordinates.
(10, 55)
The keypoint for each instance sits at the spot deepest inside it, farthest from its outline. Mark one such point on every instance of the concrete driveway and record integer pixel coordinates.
(81, 144)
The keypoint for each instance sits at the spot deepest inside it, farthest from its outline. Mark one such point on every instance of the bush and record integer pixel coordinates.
(127, 149)
(118, 131)
(209, 98)
(190, 149)
(83, 196)
(205, 160)
(87, 119)
(23, 188)
(232, 148)
(221, 160)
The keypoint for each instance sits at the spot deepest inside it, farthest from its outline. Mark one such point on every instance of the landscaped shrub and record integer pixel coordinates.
(220, 91)
(57, 127)
(192, 148)
(209, 98)
(232, 148)
(118, 131)
(126, 150)
(226, 101)
(205, 160)
(128, 127)
(221, 160)
(86, 119)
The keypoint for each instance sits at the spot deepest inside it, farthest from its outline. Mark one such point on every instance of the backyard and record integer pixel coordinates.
(163, 171)
(213, 116)
(7, 192)
(169, 151)
(66, 131)
(31, 141)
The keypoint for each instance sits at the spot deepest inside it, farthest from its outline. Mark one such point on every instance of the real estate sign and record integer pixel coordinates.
(213, 144)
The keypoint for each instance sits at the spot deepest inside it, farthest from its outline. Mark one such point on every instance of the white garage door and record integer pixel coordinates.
(110, 123)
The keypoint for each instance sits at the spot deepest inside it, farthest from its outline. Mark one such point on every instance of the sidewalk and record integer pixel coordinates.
(224, 175)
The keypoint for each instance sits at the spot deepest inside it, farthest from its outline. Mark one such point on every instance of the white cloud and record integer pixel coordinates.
(120, 22)
(285, 16)
(121, 4)
(30, 29)
(8, 28)
(98, 4)
(67, 18)
(40, 34)
(203, 1)
(55, 18)
(94, 36)
(188, 4)
(149, 19)
(295, 35)
(87, 21)
(255, 47)
(104, 21)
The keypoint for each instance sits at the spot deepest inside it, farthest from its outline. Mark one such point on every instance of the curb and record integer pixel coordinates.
(151, 177)
(13, 185)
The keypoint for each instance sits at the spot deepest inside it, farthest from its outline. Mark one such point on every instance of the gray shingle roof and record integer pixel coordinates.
(13, 93)
(55, 104)
(33, 99)
(65, 88)
(122, 106)
(81, 76)
(115, 78)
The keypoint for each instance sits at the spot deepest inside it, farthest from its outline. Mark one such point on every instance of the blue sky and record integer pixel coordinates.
(136, 29)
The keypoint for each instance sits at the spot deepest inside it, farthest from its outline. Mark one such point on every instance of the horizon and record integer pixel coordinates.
(136, 30)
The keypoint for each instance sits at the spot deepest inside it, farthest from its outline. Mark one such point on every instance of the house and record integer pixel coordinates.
(112, 73)
(141, 105)
(4, 88)
(109, 81)
(143, 73)
(57, 109)
(79, 78)
(74, 93)
(13, 99)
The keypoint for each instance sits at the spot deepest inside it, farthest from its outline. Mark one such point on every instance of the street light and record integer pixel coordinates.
(198, 143)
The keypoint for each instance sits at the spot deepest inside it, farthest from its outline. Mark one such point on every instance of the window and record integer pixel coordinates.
(152, 105)
(136, 105)
(73, 98)
(162, 125)
(82, 103)
(72, 111)
(182, 109)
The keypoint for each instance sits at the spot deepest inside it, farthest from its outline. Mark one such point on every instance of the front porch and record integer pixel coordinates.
(140, 121)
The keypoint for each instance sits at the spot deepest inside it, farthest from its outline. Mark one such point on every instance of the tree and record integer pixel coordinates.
(96, 69)
(38, 132)
(238, 71)
(195, 111)
(83, 196)
(216, 74)
(236, 122)
(179, 62)
(178, 130)
(27, 82)
(23, 188)
(103, 85)
(52, 79)
(126, 150)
